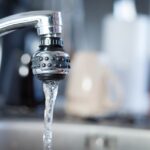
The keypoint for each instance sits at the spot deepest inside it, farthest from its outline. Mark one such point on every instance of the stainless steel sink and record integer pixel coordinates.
(27, 135)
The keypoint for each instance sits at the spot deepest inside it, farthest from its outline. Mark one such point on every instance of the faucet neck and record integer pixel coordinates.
(46, 22)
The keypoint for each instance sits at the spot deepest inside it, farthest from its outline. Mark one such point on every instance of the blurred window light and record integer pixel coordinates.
(125, 9)
(23, 71)
(87, 84)
(25, 59)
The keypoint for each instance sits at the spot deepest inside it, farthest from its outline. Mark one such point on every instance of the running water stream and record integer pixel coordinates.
(50, 90)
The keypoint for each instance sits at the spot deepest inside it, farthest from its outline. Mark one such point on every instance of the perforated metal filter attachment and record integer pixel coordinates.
(50, 65)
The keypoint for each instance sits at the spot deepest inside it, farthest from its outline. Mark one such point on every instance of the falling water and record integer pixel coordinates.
(50, 90)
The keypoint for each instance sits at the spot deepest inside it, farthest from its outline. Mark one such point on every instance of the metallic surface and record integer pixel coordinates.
(48, 25)
(46, 40)
(45, 62)
(46, 22)
(27, 135)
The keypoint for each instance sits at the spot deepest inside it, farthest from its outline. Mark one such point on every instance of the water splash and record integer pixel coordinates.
(50, 90)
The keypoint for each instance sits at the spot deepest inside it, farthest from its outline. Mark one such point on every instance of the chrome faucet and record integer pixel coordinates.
(50, 62)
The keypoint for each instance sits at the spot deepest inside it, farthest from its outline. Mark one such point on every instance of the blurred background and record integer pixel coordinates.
(109, 81)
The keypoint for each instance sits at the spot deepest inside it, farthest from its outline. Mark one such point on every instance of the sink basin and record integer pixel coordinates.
(27, 135)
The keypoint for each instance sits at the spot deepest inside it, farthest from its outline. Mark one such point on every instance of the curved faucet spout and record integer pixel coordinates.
(46, 22)
(50, 62)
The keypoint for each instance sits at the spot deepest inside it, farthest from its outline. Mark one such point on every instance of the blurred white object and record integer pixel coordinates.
(125, 9)
(126, 44)
(23, 71)
(93, 90)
